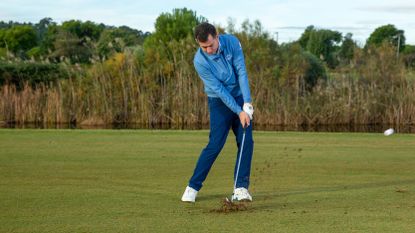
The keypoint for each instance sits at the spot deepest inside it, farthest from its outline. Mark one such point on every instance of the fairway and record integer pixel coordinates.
(132, 181)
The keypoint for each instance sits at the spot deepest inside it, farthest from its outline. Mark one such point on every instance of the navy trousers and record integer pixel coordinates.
(221, 120)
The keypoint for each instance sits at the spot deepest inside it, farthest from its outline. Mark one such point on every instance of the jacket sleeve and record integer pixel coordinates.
(240, 69)
(216, 86)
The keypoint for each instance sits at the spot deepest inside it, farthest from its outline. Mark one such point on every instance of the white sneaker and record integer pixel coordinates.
(241, 194)
(189, 194)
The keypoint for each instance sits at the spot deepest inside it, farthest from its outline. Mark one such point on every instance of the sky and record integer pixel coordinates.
(283, 19)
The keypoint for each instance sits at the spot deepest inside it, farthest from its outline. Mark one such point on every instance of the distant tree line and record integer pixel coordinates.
(46, 44)
(74, 40)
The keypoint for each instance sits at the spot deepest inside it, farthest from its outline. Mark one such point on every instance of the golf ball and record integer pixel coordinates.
(389, 132)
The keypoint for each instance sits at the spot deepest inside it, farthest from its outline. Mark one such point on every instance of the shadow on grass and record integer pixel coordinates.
(263, 201)
(269, 195)
(266, 197)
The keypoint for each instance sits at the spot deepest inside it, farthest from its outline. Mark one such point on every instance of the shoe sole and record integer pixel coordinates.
(243, 200)
(188, 201)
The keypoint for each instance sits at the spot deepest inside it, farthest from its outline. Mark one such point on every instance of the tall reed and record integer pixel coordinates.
(152, 88)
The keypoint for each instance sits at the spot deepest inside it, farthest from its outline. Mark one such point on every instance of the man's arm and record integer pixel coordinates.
(214, 84)
(239, 64)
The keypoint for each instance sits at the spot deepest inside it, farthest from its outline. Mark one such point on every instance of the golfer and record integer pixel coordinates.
(220, 64)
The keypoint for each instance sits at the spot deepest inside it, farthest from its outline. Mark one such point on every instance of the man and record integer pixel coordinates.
(220, 64)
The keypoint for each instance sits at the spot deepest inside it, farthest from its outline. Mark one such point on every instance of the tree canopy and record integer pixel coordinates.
(387, 33)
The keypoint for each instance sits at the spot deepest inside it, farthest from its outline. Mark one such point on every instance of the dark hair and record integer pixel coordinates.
(203, 30)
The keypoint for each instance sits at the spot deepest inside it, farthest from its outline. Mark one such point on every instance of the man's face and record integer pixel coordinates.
(211, 45)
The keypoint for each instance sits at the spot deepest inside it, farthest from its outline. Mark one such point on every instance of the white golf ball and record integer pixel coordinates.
(389, 132)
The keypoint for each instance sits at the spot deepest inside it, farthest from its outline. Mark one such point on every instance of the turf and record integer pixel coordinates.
(132, 181)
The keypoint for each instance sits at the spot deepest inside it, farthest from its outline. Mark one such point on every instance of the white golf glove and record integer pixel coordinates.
(249, 109)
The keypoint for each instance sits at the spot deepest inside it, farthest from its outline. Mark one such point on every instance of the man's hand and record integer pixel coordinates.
(244, 118)
(249, 109)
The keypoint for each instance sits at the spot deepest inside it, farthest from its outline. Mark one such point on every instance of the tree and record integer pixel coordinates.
(347, 48)
(301, 70)
(83, 30)
(74, 39)
(176, 25)
(409, 55)
(171, 28)
(116, 39)
(305, 37)
(10, 24)
(47, 43)
(388, 33)
(315, 71)
(68, 45)
(18, 39)
(2, 35)
(42, 27)
(321, 43)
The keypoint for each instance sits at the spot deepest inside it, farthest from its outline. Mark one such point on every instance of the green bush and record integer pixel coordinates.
(3, 53)
(34, 52)
(32, 73)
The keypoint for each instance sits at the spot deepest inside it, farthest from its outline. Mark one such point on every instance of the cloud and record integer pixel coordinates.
(290, 28)
(389, 9)
(340, 28)
(371, 22)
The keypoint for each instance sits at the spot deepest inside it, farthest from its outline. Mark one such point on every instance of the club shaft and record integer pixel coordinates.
(239, 159)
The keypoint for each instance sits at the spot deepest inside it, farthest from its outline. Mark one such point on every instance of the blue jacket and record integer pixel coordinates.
(224, 74)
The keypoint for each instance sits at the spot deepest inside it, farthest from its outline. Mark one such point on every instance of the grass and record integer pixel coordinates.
(132, 181)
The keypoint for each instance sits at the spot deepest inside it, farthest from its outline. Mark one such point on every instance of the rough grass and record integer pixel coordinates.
(132, 181)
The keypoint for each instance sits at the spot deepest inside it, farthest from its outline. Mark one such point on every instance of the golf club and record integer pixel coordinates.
(239, 163)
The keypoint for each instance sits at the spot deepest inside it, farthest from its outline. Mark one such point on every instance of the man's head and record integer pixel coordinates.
(206, 36)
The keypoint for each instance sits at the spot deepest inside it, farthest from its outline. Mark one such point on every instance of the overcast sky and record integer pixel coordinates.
(288, 18)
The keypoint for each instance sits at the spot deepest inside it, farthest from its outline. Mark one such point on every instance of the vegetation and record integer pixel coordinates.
(20, 73)
(388, 33)
(89, 73)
